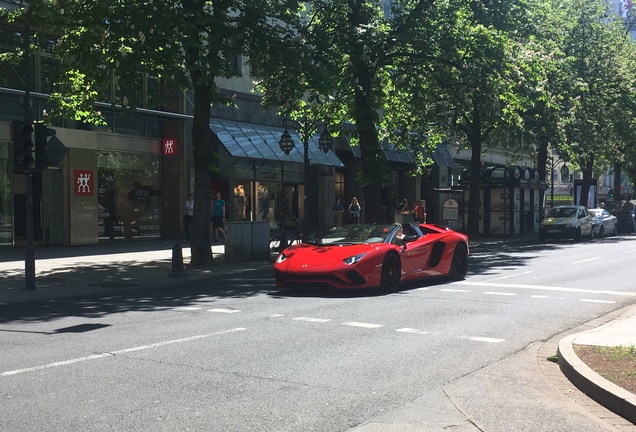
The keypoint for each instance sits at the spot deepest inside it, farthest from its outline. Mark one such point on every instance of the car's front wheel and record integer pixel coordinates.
(459, 265)
(391, 273)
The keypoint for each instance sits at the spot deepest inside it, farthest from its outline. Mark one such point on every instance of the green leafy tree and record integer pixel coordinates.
(187, 44)
(461, 81)
(599, 91)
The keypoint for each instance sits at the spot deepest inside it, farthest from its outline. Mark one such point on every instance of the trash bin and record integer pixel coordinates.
(246, 240)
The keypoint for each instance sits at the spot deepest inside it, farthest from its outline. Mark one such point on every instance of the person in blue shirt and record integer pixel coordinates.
(218, 217)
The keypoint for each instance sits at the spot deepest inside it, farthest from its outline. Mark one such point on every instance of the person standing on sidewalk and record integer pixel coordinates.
(218, 217)
(188, 212)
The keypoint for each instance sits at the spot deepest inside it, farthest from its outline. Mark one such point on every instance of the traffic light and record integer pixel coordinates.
(22, 146)
(610, 192)
(42, 134)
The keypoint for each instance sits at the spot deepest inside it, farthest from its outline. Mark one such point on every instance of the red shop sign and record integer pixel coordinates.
(84, 181)
(169, 147)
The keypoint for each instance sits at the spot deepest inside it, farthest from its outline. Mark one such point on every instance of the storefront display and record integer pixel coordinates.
(129, 195)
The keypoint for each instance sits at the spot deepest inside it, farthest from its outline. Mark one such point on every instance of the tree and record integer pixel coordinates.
(187, 44)
(599, 91)
(461, 80)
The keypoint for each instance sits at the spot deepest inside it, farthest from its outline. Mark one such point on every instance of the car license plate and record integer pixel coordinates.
(554, 231)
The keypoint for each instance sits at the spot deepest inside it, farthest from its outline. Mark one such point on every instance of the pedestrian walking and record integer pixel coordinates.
(218, 217)
(354, 211)
(188, 212)
(419, 210)
(338, 212)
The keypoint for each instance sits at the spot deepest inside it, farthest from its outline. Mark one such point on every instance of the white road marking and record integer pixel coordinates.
(363, 325)
(586, 260)
(423, 289)
(455, 290)
(539, 296)
(510, 276)
(412, 331)
(500, 293)
(631, 250)
(114, 353)
(598, 301)
(482, 339)
(188, 308)
(226, 311)
(310, 319)
(547, 288)
(277, 316)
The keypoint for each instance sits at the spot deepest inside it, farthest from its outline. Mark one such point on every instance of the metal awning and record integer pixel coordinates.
(443, 158)
(253, 141)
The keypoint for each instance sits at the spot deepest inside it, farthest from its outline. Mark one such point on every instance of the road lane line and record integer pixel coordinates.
(363, 325)
(546, 288)
(586, 260)
(481, 339)
(412, 331)
(510, 276)
(540, 296)
(500, 293)
(310, 319)
(114, 353)
(598, 301)
(455, 290)
(188, 308)
(226, 311)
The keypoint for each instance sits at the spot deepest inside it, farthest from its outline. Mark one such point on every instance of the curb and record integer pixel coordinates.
(604, 392)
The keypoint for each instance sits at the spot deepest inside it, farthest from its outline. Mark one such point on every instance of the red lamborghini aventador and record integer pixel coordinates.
(364, 256)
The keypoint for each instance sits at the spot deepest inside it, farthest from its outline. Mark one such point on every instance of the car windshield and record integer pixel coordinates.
(353, 234)
(561, 212)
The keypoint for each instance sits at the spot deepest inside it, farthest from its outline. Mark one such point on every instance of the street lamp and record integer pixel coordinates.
(306, 129)
(565, 171)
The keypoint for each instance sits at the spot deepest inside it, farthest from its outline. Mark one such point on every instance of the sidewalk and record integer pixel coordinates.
(115, 266)
(120, 266)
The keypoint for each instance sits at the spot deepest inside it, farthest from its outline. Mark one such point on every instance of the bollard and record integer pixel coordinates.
(177, 263)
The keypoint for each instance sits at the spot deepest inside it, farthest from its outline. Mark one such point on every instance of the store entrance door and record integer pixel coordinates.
(293, 204)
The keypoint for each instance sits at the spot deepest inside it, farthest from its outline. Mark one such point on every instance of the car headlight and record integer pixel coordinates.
(281, 257)
(353, 259)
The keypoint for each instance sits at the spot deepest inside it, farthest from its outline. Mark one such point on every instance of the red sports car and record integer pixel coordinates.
(363, 256)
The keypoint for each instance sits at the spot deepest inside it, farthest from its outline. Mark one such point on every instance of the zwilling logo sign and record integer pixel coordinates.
(169, 147)
(83, 182)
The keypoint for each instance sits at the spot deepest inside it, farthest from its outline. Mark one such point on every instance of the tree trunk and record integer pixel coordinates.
(585, 184)
(618, 169)
(475, 175)
(203, 160)
(542, 160)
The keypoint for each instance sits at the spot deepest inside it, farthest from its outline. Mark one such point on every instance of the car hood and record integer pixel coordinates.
(330, 253)
(558, 221)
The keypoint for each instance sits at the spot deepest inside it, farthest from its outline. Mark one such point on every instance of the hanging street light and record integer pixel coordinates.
(305, 129)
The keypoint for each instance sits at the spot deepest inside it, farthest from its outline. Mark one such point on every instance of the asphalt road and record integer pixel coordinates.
(239, 355)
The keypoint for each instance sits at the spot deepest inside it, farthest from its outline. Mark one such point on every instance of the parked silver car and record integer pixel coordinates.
(568, 221)
(603, 222)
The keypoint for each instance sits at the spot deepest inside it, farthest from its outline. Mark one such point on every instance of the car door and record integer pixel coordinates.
(585, 221)
(415, 253)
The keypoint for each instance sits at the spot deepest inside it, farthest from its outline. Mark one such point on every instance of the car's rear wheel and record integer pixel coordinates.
(391, 273)
(459, 265)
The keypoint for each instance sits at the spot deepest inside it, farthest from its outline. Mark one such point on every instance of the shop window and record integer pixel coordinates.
(6, 209)
(129, 195)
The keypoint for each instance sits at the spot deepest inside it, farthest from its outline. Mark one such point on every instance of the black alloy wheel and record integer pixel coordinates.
(459, 265)
(391, 273)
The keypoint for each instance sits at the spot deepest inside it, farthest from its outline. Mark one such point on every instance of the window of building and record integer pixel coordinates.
(129, 194)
